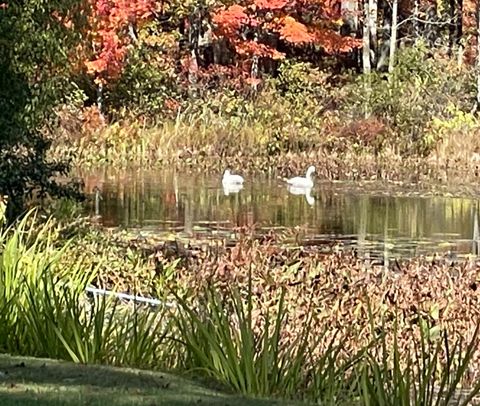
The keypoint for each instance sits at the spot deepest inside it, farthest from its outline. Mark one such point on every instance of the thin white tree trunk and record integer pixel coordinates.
(416, 14)
(349, 9)
(393, 37)
(367, 67)
(372, 25)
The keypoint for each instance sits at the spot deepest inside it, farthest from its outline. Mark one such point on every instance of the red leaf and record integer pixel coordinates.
(333, 42)
(295, 32)
(252, 48)
(232, 18)
(270, 4)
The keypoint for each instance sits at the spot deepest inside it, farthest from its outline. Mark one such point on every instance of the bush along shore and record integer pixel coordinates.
(412, 125)
(257, 317)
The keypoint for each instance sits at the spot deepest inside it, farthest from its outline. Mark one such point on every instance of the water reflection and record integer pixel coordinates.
(199, 207)
(307, 192)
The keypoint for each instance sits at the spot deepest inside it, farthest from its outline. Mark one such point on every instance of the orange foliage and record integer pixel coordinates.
(252, 48)
(295, 32)
(270, 4)
(332, 42)
(109, 21)
(231, 19)
(296, 22)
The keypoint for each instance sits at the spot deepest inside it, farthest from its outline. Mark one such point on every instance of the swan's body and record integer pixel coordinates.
(232, 188)
(302, 191)
(300, 182)
(230, 180)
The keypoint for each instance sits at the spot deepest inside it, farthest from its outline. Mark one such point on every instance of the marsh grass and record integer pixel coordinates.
(296, 121)
(44, 310)
(280, 144)
(221, 341)
(431, 375)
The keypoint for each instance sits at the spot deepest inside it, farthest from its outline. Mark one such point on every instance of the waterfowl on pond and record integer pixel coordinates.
(300, 182)
(229, 179)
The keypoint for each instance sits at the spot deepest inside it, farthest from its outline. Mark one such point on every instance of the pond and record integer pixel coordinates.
(372, 220)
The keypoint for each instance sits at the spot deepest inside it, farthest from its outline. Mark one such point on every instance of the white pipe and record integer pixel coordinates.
(135, 298)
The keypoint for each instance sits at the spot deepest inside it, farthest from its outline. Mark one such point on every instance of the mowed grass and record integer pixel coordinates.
(42, 382)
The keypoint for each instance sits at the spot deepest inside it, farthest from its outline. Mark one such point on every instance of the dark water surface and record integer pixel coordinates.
(196, 206)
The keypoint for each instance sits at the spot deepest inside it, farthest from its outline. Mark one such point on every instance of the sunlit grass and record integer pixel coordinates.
(44, 310)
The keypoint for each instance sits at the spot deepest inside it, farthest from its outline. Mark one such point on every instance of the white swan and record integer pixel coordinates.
(229, 179)
(306, 182)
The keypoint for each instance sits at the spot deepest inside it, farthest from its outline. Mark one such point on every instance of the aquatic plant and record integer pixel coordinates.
(44, 310)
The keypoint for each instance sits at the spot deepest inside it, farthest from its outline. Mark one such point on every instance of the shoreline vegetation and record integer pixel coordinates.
(411, 127)
(258, 317)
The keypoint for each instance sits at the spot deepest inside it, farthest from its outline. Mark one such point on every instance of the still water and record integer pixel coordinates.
(196, 206)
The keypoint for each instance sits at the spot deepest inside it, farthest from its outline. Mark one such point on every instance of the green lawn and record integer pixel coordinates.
(31, 381)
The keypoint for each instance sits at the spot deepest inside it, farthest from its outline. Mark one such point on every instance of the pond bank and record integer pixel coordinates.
(257, 305)
(34, 381)
(363, 166)
(212, 143)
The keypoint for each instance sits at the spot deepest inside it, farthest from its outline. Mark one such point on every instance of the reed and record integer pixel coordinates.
(44, 310)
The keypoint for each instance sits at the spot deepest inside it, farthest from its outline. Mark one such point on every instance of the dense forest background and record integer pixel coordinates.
(119, 82)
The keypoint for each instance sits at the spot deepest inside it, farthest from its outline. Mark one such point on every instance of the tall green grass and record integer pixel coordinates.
(222, 341)
(44, 310)
(430, 374)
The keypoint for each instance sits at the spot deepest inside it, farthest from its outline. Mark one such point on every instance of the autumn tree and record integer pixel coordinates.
(113, 26)
(276, 29)
(34, 78)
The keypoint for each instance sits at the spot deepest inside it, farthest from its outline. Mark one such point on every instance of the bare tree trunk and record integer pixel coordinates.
(459, 21)
(351, 26)
(132, 32)
(393, 37)
(254, 68)
(416, 17)
(366, 61)
(372, 25)
(100, 102)
(349, 9)
(383, 49)
(367, 67)
(451, 27)
(459, 31)
(193, 68)
(432, 32)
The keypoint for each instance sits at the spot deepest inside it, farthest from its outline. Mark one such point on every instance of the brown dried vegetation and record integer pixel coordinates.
(353, 300)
